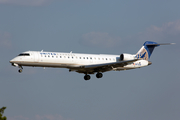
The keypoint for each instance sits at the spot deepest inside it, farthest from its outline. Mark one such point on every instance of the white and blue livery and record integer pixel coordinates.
(87, 63)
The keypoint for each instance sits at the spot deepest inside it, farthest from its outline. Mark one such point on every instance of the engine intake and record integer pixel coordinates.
(125, 56)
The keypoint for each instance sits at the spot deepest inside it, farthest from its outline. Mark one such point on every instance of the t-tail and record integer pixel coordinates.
(147, 49)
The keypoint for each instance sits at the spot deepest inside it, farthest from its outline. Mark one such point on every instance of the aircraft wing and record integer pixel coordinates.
(91, 69)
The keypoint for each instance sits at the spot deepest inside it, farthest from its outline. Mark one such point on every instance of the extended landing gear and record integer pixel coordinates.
(99, 75)
(87, 77)
(20, 70)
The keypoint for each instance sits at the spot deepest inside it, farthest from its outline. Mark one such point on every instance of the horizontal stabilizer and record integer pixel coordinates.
(160, 44)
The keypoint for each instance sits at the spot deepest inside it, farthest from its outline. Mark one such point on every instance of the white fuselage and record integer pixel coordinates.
(70, 60)
(87, 63)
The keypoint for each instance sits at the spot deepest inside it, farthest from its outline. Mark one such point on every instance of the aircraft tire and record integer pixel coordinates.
(99, 75)
(87, 77)
(20, 70)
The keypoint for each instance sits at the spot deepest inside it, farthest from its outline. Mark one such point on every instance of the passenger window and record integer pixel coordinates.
(79, 57)
(87, 57)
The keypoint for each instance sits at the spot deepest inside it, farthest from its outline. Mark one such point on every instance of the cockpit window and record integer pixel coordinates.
(24, 54)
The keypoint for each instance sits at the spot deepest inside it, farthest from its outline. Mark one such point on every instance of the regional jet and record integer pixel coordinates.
(87, 63)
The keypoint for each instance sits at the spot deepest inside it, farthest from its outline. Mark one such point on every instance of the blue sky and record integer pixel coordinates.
(90, 26)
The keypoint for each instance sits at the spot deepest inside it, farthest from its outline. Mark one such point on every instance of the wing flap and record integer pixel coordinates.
(90, 69)
(114, 64)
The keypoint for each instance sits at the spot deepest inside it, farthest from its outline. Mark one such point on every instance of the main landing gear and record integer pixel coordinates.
(99, 75)
(88, 77)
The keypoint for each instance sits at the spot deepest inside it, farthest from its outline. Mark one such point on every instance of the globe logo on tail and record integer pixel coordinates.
(143, 54)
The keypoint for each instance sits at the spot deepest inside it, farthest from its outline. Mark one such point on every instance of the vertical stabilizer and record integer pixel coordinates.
(146, 50)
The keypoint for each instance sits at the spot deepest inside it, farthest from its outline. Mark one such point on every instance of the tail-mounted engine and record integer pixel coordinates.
(125, 56)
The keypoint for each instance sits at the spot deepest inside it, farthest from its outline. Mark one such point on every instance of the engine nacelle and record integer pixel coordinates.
(125, 56)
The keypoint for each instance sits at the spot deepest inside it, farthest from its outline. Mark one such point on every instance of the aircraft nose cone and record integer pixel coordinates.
(14, 62)
(149, 63)
(11, 61)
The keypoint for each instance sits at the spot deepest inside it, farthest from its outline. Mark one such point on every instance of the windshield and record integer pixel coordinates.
(24, 54)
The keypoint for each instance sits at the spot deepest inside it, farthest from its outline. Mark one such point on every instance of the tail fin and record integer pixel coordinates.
(147, 49)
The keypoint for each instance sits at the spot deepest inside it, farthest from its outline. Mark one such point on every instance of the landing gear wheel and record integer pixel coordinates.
(87, 77)
(20, 70)
(99, 75)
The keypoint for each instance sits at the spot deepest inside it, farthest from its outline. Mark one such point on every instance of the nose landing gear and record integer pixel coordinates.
(20, 70)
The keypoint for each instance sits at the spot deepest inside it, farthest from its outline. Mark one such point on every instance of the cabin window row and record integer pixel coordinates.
(79, 57)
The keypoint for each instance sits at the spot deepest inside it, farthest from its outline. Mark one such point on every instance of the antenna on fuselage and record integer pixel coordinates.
(41, 50)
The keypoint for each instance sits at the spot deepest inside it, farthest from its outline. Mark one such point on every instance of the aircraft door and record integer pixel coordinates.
(36, 57)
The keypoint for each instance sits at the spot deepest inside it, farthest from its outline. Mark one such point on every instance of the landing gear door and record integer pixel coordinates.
(36, 57)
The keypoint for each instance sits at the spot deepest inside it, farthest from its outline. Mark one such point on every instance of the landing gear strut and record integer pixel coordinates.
(20, 70)
(99, 75)
(87, 77)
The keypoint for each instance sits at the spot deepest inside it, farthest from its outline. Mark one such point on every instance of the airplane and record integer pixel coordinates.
(87, 63)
